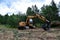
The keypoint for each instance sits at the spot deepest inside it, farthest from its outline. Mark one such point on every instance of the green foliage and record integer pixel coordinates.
(29, 11)
(50, 11)
(32, 11)
(12, 20)
(38, 25)
(5, 18)
(35, 9)
(1, 19)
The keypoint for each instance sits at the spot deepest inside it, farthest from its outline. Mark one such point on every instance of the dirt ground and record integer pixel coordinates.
(30, 34)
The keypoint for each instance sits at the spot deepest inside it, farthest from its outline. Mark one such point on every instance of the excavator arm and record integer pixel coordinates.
(36, 16)
(46, 25)
(42, 18)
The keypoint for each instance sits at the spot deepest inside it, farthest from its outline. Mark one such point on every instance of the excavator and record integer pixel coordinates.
(27, 24)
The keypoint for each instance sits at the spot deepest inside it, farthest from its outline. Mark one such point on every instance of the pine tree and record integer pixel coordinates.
(35, 9)
(50, 11)
(29, 11)
(54, 9)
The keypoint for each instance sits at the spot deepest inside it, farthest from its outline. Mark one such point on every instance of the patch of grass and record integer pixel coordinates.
(38, 25)
(6, 26)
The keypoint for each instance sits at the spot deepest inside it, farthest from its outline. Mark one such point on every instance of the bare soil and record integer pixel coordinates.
(30, 34)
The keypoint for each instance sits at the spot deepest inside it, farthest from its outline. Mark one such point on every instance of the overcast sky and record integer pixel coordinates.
(13, 6)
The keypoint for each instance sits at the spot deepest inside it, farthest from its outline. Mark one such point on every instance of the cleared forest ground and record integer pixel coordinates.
(29, 34)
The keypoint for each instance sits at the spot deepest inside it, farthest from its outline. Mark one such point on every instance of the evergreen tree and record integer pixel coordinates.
(59, 8)
(35, 9)
(29, 11)
(50, 11)
(54, 10)
(5, 19)
(1, 19)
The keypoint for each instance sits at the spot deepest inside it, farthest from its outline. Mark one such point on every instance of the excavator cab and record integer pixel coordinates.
(30, 22)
